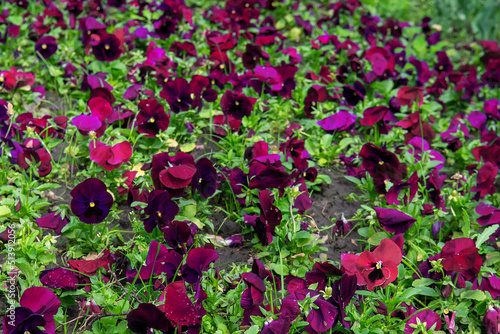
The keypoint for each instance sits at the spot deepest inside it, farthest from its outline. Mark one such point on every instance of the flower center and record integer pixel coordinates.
(446, 311)
(380, 163)
(165, 80)
(237, 103)
(92, 204)
(151, 120)
(213, 82)
(106, 47)
(2, 79)
(313, 104)
(440, 67)
(158, 213)
(179, 100)
(379, 264)
(192, 96)
(44, 46)
(222, 66)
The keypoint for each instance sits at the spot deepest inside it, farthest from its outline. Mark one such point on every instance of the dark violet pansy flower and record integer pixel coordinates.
(340, 121)
(394, 221)
(491, 319)
(179, 235)
(147, 317)
(178, 94)
(205, 178)
(377, 268)
(38, 307)
(428, 317)
(373, 115)
(236, 105)
(46, 46)
(152, 117)
(198, 260)
(108, 48)
(354, 94)
(254, 293)
(406, 96)
(490, 215)
(460, 255)
(33, 151)
(486, 180)
(252, 56)
(178, 308)
(53, 221)
(161, 210)
(59, 278)
(490, 283)
(91, 201)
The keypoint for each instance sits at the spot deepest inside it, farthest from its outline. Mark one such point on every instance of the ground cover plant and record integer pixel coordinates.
(247, 166)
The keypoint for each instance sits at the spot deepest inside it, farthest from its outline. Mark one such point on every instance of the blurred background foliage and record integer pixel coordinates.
(461, 20)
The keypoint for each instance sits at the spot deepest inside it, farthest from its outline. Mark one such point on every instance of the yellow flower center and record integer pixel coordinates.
(92, 204)
(179, 100)
(446, 311)
(237, 103)
(151, 120)
(380, 163)
(2, 79)
(158, 213)
(213, 82)
(106, 47)
(440, 67)
(304, 174)
(192, 96)
(313, 104)
(165, 80)
(199, 181)
(222, 66)
(379, 265)
(44, 46)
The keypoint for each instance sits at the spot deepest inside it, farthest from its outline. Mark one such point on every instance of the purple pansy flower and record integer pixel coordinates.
(91, 201)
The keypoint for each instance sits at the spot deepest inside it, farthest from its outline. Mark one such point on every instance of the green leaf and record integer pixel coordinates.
(139, 204)
(377, 238)
(345, 142)
(280, 269)
(353, 179)
(187, 147)
(325, 178)
(485, 235)
(47, 186)
(4, 211)
(420, 44)
(423, 282)
(17, 20)
(466, 228)
(473, 294)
